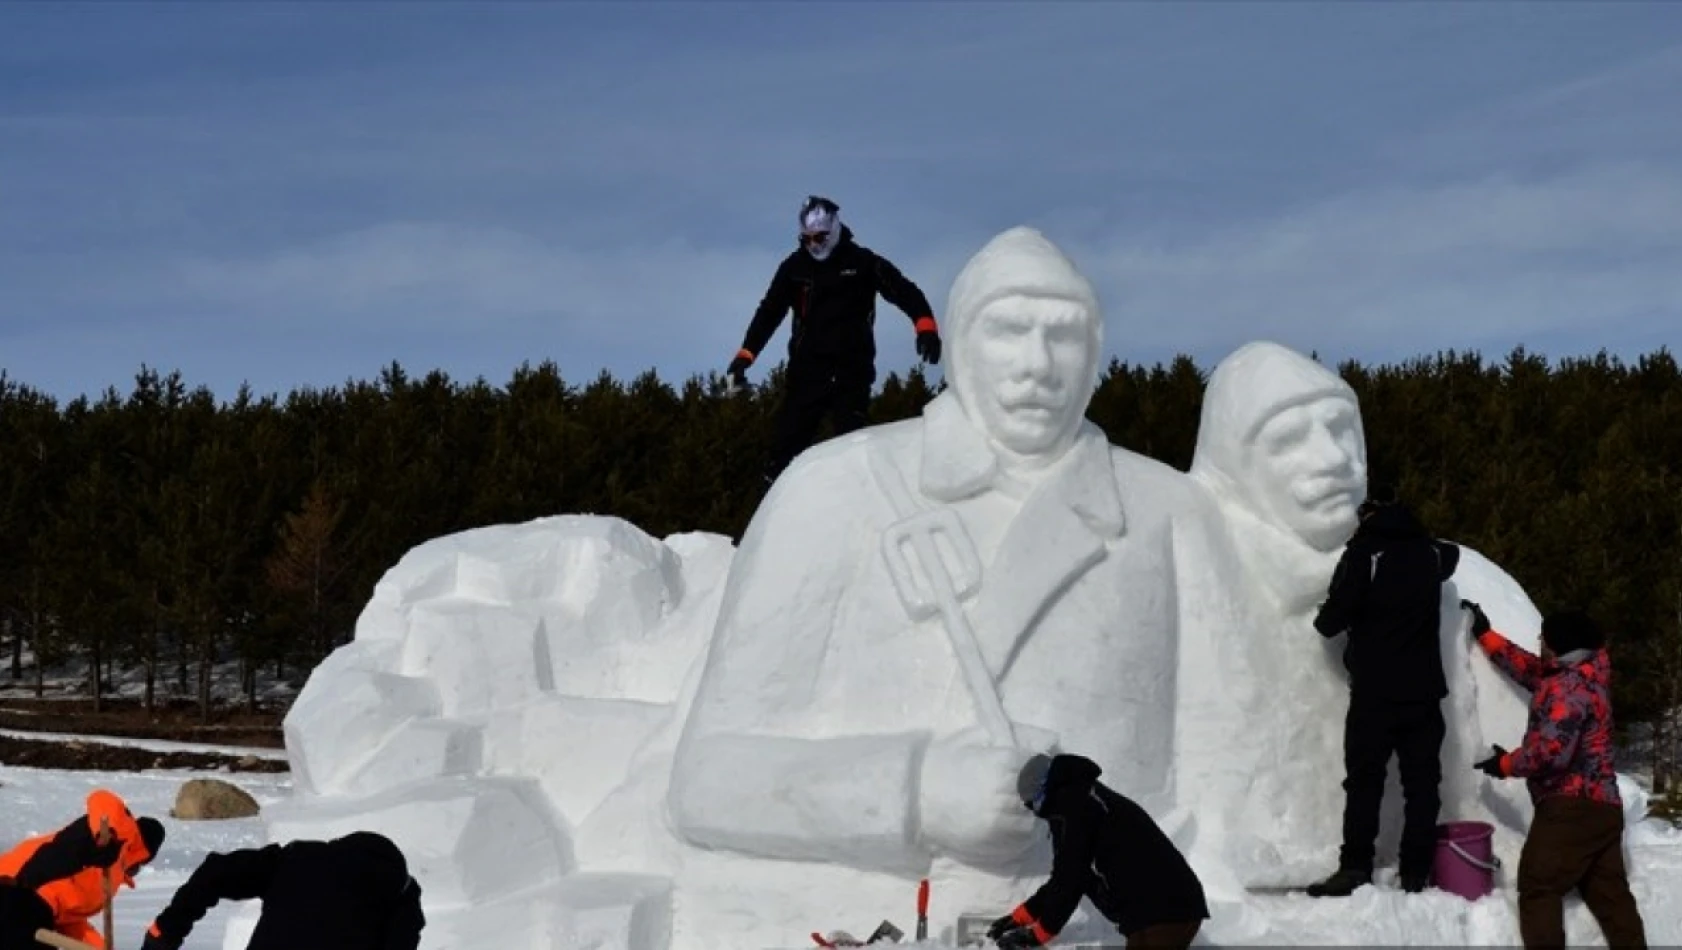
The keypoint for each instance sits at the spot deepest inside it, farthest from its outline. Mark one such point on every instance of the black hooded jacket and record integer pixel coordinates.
(1387, 593)
(351, 893)
(834, 304)
(1108, 850)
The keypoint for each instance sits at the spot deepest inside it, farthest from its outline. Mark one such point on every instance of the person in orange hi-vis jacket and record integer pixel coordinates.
(59, 881)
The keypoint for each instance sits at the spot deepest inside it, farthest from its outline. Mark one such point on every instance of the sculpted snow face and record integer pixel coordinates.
(1282, 448)
(1281, 438)
(844, 722)
(1027, 334)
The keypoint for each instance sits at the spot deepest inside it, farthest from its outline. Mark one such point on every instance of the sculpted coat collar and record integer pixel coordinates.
(957, 463)
(1061, 531)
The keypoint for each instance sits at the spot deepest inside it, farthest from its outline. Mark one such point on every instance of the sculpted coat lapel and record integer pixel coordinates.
(1058, 535)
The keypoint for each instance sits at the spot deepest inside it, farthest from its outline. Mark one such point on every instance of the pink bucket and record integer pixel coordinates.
(1465, 862)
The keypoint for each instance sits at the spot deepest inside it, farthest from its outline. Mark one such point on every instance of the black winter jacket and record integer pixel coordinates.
(834, 304)
(351, 893)
(1108, 850)
(1387, 593)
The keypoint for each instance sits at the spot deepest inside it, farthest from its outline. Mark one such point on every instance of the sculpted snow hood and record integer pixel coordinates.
(1020, 262)
(1254, 384)
(1281, 436)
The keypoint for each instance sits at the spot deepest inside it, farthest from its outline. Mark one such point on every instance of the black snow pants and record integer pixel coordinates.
(1413, 731)
(22, 912)
(815, 390)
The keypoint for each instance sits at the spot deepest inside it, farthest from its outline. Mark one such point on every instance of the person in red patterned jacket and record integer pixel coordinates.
(1576, 837)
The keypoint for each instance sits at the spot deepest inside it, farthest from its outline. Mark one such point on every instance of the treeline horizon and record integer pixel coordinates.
(165, 529)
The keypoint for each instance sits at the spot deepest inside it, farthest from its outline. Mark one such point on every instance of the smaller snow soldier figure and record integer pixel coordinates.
(350, 893)
(1576, 836)
(1107, 849)
(60, 881)
(831, 283)
(1386, 592)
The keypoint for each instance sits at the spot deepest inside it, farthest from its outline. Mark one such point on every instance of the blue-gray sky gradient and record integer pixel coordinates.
(299, 194)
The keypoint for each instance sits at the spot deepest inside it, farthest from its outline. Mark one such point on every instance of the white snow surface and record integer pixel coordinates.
(585, 736)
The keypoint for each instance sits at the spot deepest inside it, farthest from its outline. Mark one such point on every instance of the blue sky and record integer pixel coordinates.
(299, 194)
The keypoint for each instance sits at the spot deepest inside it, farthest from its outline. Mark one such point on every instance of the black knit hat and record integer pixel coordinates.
(1030, 780)
(152, 833)
(1379, 495)
(1569, 630)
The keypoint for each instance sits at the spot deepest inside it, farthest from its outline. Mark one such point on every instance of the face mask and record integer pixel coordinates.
(820, 227)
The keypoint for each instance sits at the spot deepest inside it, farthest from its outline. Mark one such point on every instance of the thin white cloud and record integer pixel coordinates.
(1387, 179)
(1409, 270)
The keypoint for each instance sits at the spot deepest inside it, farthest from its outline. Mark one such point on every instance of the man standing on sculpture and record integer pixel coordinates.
(1386, 593)
(831, 283)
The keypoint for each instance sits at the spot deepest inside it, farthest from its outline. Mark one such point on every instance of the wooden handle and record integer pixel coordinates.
(110, 898)
(53, 938)
(110, 890)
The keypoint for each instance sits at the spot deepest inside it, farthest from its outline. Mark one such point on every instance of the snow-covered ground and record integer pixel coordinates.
(40, 800)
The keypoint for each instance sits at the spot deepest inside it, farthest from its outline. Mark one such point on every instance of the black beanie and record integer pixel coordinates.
(1570, 630)
(1030, 780)
(1380, 495)
(152, 833)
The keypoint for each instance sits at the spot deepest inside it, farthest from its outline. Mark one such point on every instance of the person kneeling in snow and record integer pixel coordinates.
(1105, 848)
(351, 893)
(1576, 837)
(59, 881)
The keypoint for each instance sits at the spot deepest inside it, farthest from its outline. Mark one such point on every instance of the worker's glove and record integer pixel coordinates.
(1492, 765)
(997, 928)
(155, 940)
(1017, 938)
(1007, 934)
(1480, 620)
(928, 340)
(104, 855)
(738, 370)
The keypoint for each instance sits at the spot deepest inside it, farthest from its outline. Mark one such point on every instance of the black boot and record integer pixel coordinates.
(1340, 884)
(1414, 881)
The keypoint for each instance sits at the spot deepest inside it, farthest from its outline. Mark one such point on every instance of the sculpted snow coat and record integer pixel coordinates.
(834, 734)
(1076, 618)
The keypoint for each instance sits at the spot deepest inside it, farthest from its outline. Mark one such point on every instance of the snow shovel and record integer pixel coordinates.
(928, 585)
(52, 938)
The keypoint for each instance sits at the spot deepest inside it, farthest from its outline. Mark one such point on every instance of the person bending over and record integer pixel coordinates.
(1107, 849)
(350, 893)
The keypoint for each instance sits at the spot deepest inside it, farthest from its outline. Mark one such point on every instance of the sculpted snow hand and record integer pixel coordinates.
(968, 806)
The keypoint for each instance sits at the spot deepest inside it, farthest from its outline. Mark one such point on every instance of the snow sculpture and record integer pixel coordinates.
(587, 737)
(1282, 449)
(506, 714)
(917, 608)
